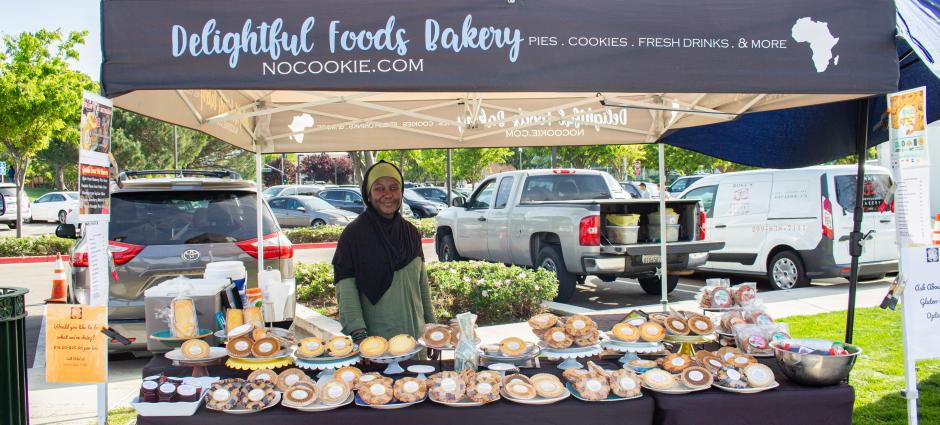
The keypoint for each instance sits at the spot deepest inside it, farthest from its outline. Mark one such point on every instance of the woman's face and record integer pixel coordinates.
(385, 196)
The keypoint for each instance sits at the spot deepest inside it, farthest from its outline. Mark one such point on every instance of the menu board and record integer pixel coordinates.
(920, 301)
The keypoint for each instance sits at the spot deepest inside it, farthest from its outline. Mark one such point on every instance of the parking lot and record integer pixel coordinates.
(29, 229)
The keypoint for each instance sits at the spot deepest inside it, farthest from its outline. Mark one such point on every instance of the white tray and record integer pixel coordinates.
(747, 390)
(167, 409)
(538, 400)
(277, 400)
(318, 406)
(390, 406)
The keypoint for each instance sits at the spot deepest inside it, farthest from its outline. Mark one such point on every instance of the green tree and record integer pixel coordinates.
(61, 154)
(687, 162)
(39, 95)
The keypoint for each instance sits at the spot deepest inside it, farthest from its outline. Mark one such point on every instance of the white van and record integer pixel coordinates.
(793, 225)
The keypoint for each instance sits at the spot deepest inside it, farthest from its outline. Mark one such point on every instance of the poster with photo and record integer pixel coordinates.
(94, 163)
(910, 165)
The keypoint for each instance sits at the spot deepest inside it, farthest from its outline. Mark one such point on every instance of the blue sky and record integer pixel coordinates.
(17, 16)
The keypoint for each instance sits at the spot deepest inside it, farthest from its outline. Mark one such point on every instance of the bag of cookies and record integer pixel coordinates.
(715, 294)
(744, 294)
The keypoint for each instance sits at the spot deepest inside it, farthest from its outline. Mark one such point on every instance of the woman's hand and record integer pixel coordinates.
(359, 334)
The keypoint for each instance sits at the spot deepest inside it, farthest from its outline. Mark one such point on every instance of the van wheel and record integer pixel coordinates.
(551, 260)
(654, 286)
(448, 249)
(11, 224)
(786, 271)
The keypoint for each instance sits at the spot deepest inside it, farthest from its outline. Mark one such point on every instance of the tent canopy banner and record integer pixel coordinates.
(712, 46)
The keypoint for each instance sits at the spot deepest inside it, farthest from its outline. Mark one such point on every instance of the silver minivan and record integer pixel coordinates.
(166, 227)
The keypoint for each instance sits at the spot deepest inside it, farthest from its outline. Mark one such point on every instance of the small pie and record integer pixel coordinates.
(731, 377)
(489, 376)
(195, 349)
(676, 362)
(658, 379)
(446, 386)
(410, 390)
(557, 338)
(742, 361)
(401, 344)
(658, 317)
(290, 377)
(758, 375)
(334, 391)
(515, 377)
(310, 347)
(701, 325)
(541, 322)
(377, 392)
(266, 375)
(239, 347)
(256, 395)
(579, 325)
(624, 383)
(574, 374)
(512, 347)
(483, 392)
(592, 387)
(265, 347)
(240, 331)
(547, 385)
(373, 346)
(223, 395)
(712, 363)
(642, 364)
(652, 332)
(339, 346)
(590, 339)
(626, 332)
(596, 370)
(437, 336)
(301, 394)
(348, 374)
(364, 379)
(522, 390)
(696, 377)
(675, 325)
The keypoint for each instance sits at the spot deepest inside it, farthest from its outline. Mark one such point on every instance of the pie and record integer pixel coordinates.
(624, 383)
(483, 392)
(574, 374)
(377, 392)
(446, 386)
(265, 347)
(489, 376)
(401, 344)
(712, 363)
(364, 379)
(224, 394)
(334, 391)
(642, 364)
(592, 388)
(339, 346)
(239, 347)
(541, 322)
(658, 317)
(410, 390)
(658, 379)
(676, 325)
(701, 325)
(759, 376)
(256, 395)
(557, 338)
(348, 374)
(742, 361)
(266, 375)
(301, 394)
(547, 385)
(596, 370)
(437, 336)
(676, 362)
(579, 325)
(512, 347)
(626, 332)
(696, 377)
(240, 331)
(310, 347)
(652, 332)
(195, 349)
(233, 319)
(728, 353)
(731, 377)
(515, 377)
(290, 377)
(590, 339)
(184, 318)
(522, 390)
(373, 346)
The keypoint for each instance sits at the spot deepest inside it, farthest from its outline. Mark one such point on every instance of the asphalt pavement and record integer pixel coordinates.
(29, 229)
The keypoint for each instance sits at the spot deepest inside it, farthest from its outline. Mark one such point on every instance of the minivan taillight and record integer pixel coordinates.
(589, 232)
(827, 219)
(120, 251)
(701, 225)
(276, 246)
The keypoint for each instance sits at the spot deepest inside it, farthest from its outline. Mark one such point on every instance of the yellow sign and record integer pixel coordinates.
(76, 350)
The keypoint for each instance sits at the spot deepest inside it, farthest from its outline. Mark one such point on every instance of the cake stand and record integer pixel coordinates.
(280, 359)
(393, 367)
(570, 355)
(687, 342)
(327, 365)
(216, 354)
(631, 349)
(532, 351)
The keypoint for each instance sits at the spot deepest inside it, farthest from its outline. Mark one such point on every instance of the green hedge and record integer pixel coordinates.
(426, 226)
(34, 245)
(495, 292)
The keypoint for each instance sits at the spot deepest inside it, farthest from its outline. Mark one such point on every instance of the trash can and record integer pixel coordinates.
(14, 407)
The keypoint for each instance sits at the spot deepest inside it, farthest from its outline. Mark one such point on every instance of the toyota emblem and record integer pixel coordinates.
(190, 255)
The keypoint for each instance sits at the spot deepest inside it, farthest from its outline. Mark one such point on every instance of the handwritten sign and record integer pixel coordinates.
(76, 350)
(921, 301)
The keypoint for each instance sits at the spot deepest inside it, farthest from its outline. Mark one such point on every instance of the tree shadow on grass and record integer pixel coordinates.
(892, 408)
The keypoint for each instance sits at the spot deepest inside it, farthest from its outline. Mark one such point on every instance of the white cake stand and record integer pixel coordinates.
(393, 367)
(326, 367)
(570, 355)
(631, 349)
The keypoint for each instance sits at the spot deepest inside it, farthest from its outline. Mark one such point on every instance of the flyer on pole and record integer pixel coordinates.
(76, 349)
(94, 162)
(921, 301)
(910, 165)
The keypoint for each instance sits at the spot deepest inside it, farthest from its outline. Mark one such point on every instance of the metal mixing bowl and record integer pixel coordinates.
(816, 369)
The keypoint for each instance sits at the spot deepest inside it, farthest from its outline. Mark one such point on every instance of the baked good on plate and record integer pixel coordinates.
(573, 374)
(446, 386)
(489, 376)
(624, 383)
(701, 325)
(512, 347)
(373, 346)
(184, 318)
(437, 336)
(290, 377)
(233, 319)
(195, 349)
(758, 375)
(263, 375)
(377, 392)
(483, 392)
(547, 385)
(256, 395)
(224, 395)
(731, 377)
(265, 347)
(401, 344)
(349, 374)
(301, 394)
(310, 347)
(364, 379)
(590, 338)
(557, 338)
(676, 362)
(579, 325)
(340, 346)
(541, 322)
(334, 391)
(410, 390)
(696, 377)
(676, 325)
(239, 347)
(652, 332)
(519, 389)
(658, 379)
(625, 332)
(592, 387)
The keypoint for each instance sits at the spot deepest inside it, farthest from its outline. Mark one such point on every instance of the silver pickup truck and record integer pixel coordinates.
(572, 222)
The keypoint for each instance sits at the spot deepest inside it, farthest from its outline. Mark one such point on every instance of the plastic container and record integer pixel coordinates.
(672, 232)
(232, 270)
(255, 297)
(621, 220)
(622, 235)
(672, 217)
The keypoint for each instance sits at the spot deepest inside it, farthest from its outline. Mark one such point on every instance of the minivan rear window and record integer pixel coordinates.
(185, 217)
(565, 187)
(875, 189)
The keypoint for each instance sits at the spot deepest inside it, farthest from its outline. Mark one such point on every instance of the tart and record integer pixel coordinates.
(469, 377)
(512, 347)
(265, 347)
(377, 392)
(712, 363)
(758, 375)
(557, 338)
(731, 377)
(483, 392)
(626, 332)
(579, 325)
(340, 346)
(348, 374)
(590, 339)
(223, 395)
(744, 294)
(489, 376)
(310, 347)
(446, 386)
(658, 379)
(233, 319)
(266, 375)
(701, 325)
(547, 385)
(256, 395)
(301, 394)
(373, 346)
(541, 322)
(624, 383)
(592, 387)
(676, 325)
(437, 336)
(696, 377)
(515, 378)
(596, 370)
(401, 344)
(259, 333)
(642, 364)
(727, 353)
(676, 362)
(240, 331)
(290, 377)
(364, 379)
(239, 347)
(742, 361)
(522, 390)
(652, 332)
(195, 349)
(574, 374)
(334, 391)
(658, 317)
(410, 390)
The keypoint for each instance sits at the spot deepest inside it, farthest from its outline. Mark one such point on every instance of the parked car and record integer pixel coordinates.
(682, 183)
(8, 190)
(349, 199)
(439, 194)
(792, 226)
(301, 211)
(421, 206)
(557, 220)
(54, 206)
(164, 227)
(633, 188)
(291, 189)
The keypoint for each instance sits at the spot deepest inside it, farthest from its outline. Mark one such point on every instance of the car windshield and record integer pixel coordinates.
(8, 191)
(565, 187)
(185, 217)
(272, 191)
(316, 204)
(72, 195)
(413, 196)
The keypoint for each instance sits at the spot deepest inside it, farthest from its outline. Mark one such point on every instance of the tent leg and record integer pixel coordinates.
(259, 205)
(855, 238)
(450, 196)
(663, 264)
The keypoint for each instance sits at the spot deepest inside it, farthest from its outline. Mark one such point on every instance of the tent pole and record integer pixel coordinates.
(450, 196)
(855, 238)
(663, 264)
(259, 204)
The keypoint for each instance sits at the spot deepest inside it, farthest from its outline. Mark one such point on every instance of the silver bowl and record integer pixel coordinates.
(816, 370)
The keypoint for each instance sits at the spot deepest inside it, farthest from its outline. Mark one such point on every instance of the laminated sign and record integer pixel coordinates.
(921, 301)
(94, 201)
(76, 350)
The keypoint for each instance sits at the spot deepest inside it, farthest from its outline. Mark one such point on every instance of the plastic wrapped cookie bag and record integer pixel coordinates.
(466, 356)
(744, 294)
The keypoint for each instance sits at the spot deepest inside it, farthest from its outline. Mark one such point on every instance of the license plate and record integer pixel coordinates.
(649, 259)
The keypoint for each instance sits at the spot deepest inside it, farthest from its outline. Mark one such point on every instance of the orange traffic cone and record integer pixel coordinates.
(59, 283)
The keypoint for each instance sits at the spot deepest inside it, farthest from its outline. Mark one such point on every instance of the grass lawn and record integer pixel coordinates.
(35, 192)
(878, 376)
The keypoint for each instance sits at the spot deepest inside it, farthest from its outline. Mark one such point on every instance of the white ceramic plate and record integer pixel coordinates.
(326, 358)
(462, 403)
(747, 390)
(610, 397)
(678, 388)
(393, 359)
(215, 353)
(537, 401)
(277, 399)
(390, 406)
(317, 406)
